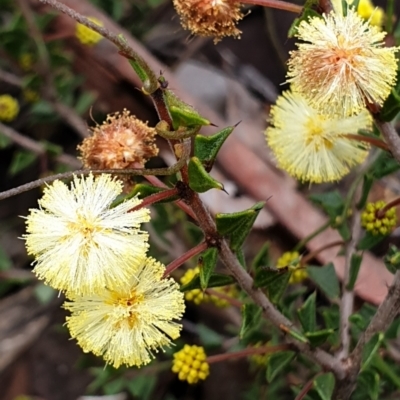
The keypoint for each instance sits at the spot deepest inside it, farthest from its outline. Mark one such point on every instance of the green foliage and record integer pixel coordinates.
(262, 258)
(307, 314)
(370, 350)
(251, 318)
(199, 179)
(215, 280)
(369, 240)
(207, 262)
(206, 148)
(355, 264)
(367, 386)
(236, 226)
(277, 363)
(325, 278)
(391, 107)
(273, 280)
(22, 159)
(324, 385)
(392, 259)
(308, 12)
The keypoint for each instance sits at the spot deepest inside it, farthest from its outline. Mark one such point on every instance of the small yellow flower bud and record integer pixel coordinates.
(190, 364)
(292, 260)
(9, 108)
(375, 223)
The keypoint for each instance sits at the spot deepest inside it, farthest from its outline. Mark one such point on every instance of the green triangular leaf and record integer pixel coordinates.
(215, 280)
(199, 179)
(370, 349)
(236, 226)
(331, 202)
(325, 278)
(206, 148)
(207, 262)
(355, 265)
(324, 385)
(277, 362)
(369, 241)
(262, 258)
(319, 337)
(307, 314)
(274, 281)
(251, 317)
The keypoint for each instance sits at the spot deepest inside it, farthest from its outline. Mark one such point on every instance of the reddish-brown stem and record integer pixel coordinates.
(181, 204)
(247, 352)
(154, 198)
(233, 302)
(280, 5)
(311, 255)
(306, 388)
(184, 257)
(394, 203)
(367, 139)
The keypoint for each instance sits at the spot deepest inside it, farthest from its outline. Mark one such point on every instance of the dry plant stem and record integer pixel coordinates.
(280, 5)
(347, 300)
(34, 146)
(185, 257)
(391, 137)
(49, 92)
(67, 175)
(381, 321)
(233, 302)
(247, 352)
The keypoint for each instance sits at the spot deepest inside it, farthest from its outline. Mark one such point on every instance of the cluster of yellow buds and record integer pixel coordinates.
(86, 35)
(197, 296)
(367, 10)
(378, 224)
(291, 259)
(260, 359)
(9, 108)
(190, 364)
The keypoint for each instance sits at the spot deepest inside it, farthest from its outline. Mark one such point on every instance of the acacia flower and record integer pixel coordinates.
(215, 18)
(343, 64)
(376, 224)
(86, 35)
(120, 142)
(190, 364)
(311, 146)
(9, 108)
(80, 243)
(129, 324)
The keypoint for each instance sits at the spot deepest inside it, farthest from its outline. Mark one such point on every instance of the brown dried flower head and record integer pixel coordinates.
(216, 18)
(121, 142)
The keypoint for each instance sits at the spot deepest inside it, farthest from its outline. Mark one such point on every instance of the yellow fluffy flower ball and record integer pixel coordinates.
(342, 64)
(190, 364)
(9, 108)
(80, 243)
(130, 323)
(312, 146)
(372, 220)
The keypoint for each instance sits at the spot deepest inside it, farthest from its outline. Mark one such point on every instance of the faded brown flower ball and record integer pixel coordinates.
(216, 18)
(121, 142)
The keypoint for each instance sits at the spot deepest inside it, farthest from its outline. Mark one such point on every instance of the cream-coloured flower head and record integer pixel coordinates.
(80, 244)
(215, 18)
(343, 65)
(311, 146)
(129, 324)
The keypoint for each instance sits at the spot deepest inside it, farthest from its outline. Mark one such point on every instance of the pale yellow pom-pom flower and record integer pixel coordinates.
(311, 146)
(343, 65)
(131, 323)
(80, 244)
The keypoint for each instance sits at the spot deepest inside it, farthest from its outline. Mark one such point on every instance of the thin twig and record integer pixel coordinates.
(391, 137)
(35, 147)
(347, 300)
